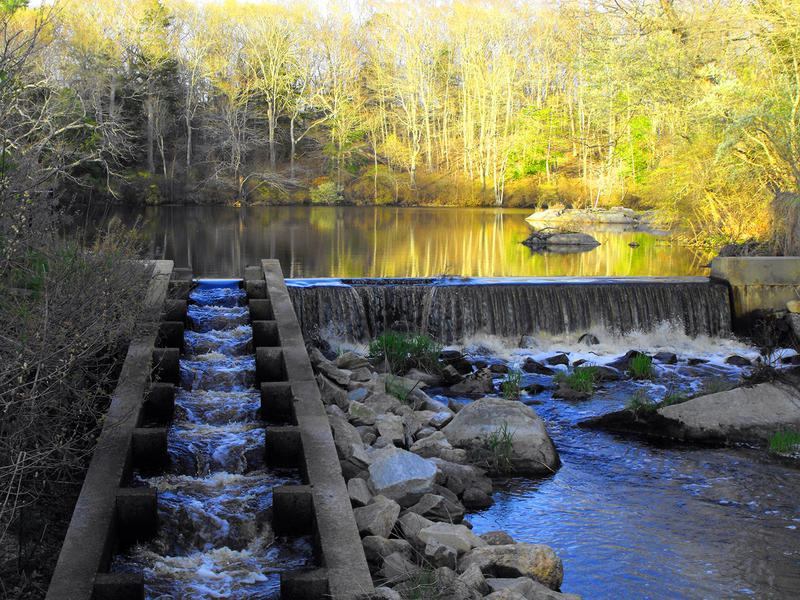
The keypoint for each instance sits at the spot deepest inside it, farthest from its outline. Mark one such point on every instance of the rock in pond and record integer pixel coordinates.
(475, 384)
(532, 450)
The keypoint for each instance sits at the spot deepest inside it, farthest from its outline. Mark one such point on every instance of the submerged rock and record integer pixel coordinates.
(531, 449)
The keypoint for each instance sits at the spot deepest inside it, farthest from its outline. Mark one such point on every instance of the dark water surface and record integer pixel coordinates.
(326, 241)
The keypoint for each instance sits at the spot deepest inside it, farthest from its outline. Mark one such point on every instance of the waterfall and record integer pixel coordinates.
(451, 310)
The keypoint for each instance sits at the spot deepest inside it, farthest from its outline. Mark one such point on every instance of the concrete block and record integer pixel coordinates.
(159, 403)
(306, 584)
(253, 272)
(293, 509)
(170, 334)
(180, 284)
(137, 514)
(283, 446)
(118, 586)
(166, 365)
(277, 402)
(265, 333)
(150, 455)
(255, 288)
(270, 365)
(261, 310)
(175, 310)
(758, 284)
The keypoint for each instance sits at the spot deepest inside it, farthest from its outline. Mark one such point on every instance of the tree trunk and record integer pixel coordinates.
(151, 117)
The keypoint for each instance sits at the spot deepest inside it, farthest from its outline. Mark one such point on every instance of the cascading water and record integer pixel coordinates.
(215, 535)
(453, 309)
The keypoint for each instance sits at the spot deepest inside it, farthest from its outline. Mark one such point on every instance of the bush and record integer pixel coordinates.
(582, 379)
(325, 193)
(406, 351)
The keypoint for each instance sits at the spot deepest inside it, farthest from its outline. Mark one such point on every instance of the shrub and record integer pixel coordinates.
(582, 379)
(406, 351)
(785, 442)
(641, 367)
(325, 193)
(512, 385)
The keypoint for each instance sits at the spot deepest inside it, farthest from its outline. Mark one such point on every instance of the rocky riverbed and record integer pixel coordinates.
(417, 462)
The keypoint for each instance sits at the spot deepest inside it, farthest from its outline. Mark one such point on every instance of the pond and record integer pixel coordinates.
(348, 241)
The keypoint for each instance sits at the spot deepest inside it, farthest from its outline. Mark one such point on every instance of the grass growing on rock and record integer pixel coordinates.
(641, 367)
(403, 351)
(500, 443)
(582, 379)
(785, 442)
(511, 387)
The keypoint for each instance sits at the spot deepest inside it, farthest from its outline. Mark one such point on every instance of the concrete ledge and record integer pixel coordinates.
(306, 584)
(293, 509)
(758, 283)
(277, 402)
(119, 586)
(336, 532)
(96, 520)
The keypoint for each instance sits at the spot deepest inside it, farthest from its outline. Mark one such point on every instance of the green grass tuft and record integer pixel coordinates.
(641, 367)
(641, 401)
(512, 385)
(406, 351)
(582, 379)
(785, 442)
(500, 442)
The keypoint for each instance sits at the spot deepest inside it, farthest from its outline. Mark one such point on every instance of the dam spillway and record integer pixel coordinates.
(451, 309)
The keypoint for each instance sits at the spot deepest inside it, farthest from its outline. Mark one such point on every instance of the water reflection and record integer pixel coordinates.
(324, 241)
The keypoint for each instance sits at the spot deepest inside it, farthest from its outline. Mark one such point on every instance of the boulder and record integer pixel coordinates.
(497, 538)
(360, 414)
(428, 379)
(473, 578)
(457, 360)
(377, 548)
(340, 377)
(461, 479)
(589, 339)
(739, 415)
(558, 359)
(738, 361)
(534, 388)
(476, 499)
(410, 524)
(378, 517)
(532, 366)
(438, 508)
(475, 384)
(505, 595)
(450, 375)
(532, 451)
(440, 555)
(402, 476)
(528, 588)
(331, 393)
(458, 537)
(359, 492)
(536, 561)
(358, 377)
(397, 568)
(498, 368)
(385, 593)
(358, 395)
(346, 438)
(437, 446)
(350, 361)
(669, 358)
(565, 392)
(623, 363)
(391, 428)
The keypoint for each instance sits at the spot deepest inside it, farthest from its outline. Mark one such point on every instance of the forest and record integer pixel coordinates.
(689, 107)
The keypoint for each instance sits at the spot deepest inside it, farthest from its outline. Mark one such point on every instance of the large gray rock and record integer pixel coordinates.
(350, 361)
(361, 414)
(377, 548)
(331, 393)
(740, 414)
(378, 517)
(402, 475)
(532, 451)
(526, 587)
(438, 508)
(475, 384)
(536, 561)
(458, 537)
(359, 493)
(397, 568)
(410, 524)
(437, 446)
(391, 428)
(474, 579)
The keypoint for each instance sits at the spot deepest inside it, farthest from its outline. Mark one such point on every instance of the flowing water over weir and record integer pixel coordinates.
(216, 536)
(453, 309)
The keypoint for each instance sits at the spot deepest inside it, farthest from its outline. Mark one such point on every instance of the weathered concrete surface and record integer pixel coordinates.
(337, 533)
(758, 283)
(88, 543)
(740, 414)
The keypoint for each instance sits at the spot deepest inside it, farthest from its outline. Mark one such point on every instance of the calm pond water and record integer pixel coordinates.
(326, 241)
